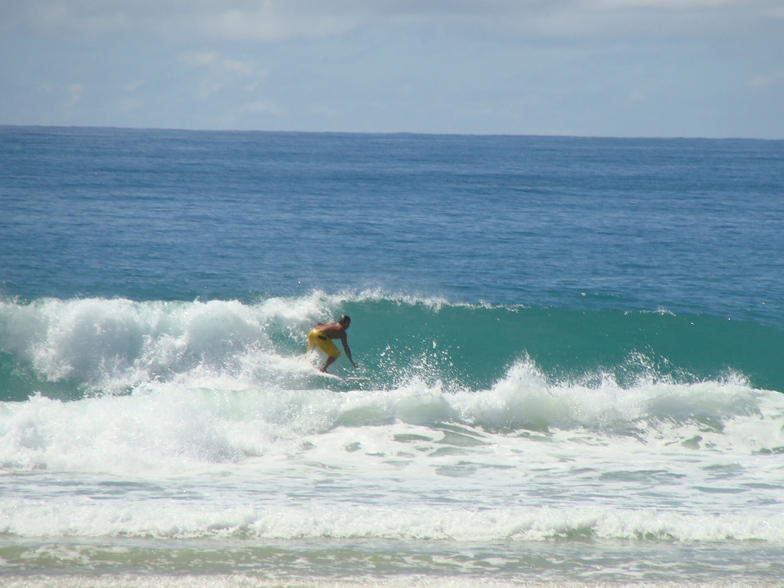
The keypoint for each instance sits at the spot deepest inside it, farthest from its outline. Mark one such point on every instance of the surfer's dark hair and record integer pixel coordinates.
(345, 318)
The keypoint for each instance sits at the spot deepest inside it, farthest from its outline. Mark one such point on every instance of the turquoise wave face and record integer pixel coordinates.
(474, 346)
(71, 348)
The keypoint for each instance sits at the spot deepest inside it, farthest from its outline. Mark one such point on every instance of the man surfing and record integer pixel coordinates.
(321, 336)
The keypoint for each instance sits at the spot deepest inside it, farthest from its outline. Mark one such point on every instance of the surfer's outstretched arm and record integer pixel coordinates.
(348, 354)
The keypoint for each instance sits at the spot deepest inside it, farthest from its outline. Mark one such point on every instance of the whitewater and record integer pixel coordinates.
(203, 422)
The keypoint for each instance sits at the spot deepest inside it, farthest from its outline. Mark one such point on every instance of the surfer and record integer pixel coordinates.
(321, 336)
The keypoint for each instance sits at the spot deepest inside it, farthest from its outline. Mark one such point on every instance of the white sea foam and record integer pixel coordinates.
(198, 415)
(218, 432)
(406, 581)
(199, 519)
(608, 464)
(108, 346)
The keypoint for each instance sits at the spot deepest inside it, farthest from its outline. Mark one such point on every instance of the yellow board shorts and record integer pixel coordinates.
(320, 340)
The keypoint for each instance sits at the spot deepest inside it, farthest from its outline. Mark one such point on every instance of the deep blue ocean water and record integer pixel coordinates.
(611, 224)
(572, 353)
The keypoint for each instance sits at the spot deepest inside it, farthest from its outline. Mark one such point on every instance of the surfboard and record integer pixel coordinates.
(328, 375)
(344, 378)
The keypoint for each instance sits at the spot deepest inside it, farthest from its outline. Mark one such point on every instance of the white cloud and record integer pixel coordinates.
(220, 71)
(45, 88)
(74, 94)
(261, 107)
(763, 82)
(618, 67)
(129, 104)
(271, 20)
(217, 63)
(635, 96)
(678, 5)
(133, 86)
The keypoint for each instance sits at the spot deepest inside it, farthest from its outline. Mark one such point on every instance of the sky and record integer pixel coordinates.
(618, 68)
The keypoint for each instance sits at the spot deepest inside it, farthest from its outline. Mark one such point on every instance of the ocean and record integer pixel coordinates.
(570, 360)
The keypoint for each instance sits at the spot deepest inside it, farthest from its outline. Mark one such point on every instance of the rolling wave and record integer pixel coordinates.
(80, 347)
(556, 422)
